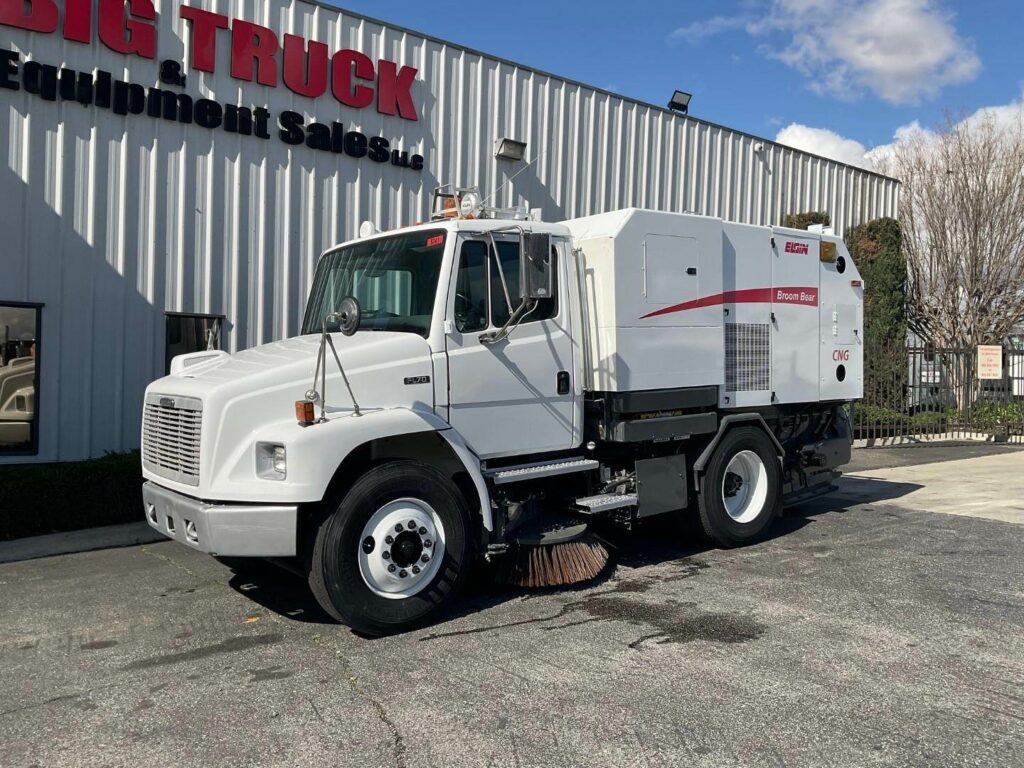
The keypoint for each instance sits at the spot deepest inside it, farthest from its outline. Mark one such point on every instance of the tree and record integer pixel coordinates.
(876, 249)
(962, 214)
(804, 220)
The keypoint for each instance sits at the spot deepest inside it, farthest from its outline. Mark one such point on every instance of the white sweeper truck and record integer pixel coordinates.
(487, 386)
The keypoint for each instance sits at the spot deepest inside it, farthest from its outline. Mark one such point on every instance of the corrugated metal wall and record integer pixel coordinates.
(111, 221)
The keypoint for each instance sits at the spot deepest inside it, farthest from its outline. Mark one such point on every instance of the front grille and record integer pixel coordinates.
(171, 428)
(747, 357)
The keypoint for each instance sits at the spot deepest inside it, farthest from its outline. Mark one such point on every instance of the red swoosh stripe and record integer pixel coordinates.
(806, 295)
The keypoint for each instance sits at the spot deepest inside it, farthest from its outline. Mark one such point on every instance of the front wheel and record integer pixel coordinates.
(741, 492)
(395, 550)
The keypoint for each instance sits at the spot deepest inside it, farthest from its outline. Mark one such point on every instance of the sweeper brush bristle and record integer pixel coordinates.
(560, 564)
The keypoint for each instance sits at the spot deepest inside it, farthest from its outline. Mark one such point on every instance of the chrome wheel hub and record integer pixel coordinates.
(401, 548)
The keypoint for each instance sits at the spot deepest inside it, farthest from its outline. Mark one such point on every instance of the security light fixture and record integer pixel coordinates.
(680, 102)
(510, 149)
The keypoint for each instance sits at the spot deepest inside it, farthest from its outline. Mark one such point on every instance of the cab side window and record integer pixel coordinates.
(508, 254)
(480, 279)
(471, 288)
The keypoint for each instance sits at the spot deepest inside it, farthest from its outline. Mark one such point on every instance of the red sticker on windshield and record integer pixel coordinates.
(435, 240)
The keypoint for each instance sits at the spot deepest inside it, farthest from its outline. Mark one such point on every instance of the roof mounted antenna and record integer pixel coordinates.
(510, 178)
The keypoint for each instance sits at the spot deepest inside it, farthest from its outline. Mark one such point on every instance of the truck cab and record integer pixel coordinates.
(458, 381)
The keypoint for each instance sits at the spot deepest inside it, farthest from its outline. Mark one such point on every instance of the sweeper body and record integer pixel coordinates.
(486, 386)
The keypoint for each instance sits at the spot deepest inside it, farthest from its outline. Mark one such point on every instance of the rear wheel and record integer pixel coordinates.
(395, 550)
(741, 492)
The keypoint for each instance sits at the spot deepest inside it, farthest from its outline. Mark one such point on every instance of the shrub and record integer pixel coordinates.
(804, 220)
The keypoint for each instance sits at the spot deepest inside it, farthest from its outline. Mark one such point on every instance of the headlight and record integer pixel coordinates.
(271, 461)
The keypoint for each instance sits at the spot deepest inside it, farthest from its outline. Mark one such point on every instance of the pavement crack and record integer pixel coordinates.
(398, 741)
(171, 560)
(494, 627)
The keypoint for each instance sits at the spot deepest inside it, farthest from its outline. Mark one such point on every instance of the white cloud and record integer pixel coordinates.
(901, 50)
(822, 141)
(696, 31)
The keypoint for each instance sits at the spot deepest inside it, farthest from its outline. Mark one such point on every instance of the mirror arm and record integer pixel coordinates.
(501, 272)
(502, 333)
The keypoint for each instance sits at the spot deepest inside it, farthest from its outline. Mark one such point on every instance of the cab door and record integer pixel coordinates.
(514, 396)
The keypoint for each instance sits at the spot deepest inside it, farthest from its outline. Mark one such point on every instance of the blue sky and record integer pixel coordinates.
(832, 76)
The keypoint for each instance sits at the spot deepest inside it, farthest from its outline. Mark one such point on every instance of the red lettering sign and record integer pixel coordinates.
(253, 48)
(204, 36)
(128, 27)
(33, 15)
(792, 247)
(841, 355)
(121, 33)
(435, 240)
(394, 89)
(344, 66)
(305, 72)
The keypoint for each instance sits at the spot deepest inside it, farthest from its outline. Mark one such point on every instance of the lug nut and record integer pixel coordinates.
(425, 559)
(368, 544)
(427, 542)
(403, 574)
(386, 555)
(412, 525)
(389, 539)
(415, 569)
(391, 568)
(423, 531)
(398, 527)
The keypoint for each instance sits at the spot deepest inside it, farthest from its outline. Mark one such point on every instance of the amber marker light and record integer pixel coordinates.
(304, 412)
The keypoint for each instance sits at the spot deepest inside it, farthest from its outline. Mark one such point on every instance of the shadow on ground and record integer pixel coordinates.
(661, 540)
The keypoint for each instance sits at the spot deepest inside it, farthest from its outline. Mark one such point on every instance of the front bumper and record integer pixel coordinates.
(251, 530)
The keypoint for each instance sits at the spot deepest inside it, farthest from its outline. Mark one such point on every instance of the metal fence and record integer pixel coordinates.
(920, 391)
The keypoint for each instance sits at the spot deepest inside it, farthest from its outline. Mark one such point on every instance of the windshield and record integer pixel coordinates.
(393, 278)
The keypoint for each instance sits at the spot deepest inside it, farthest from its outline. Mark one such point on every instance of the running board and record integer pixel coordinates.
(521, 472)
(603, 502)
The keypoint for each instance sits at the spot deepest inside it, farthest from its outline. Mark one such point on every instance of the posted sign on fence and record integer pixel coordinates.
(990, 361)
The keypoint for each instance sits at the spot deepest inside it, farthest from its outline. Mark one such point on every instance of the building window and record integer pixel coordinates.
(19, 377)
(191, 333)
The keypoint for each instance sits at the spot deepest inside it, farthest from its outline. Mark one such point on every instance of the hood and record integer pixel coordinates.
(373, 360)
(256, 389)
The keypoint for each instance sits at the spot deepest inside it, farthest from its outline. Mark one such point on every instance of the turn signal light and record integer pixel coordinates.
(828, 252)
(304, 412)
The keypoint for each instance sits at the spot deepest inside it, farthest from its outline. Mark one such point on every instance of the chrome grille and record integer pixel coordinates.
(171, 428)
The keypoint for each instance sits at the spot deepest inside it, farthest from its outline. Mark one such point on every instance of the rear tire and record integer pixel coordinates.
(741, 491)
(372, 577)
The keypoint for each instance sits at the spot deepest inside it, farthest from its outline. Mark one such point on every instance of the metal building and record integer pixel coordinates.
(174, 169)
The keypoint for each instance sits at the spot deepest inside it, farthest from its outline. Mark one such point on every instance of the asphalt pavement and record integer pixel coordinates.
(867, 632)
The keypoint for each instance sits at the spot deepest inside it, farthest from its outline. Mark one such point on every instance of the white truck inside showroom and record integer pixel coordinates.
(490, 387)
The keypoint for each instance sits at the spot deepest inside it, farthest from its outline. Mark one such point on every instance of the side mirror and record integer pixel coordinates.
(348, 315)
(535, 273)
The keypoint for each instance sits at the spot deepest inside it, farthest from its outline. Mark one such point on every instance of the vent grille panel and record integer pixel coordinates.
(747, 357)
(171, 432)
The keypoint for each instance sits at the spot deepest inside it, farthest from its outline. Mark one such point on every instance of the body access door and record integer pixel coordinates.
(515, 396)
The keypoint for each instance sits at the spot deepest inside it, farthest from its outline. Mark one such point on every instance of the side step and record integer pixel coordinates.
(605, 501)
(536, 471)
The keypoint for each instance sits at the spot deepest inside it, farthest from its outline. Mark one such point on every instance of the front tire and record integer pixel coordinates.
(741, 491)
(394, 552)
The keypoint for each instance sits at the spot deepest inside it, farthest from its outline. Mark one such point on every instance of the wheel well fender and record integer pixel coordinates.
(437, 445)
(727, 423)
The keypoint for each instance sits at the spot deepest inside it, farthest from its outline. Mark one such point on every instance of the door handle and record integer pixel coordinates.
(563, 382)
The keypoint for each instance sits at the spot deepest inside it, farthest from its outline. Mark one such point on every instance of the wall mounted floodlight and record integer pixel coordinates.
(510, 149)
(680, 102)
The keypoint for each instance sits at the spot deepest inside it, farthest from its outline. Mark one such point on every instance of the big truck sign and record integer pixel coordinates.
(305, 67)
